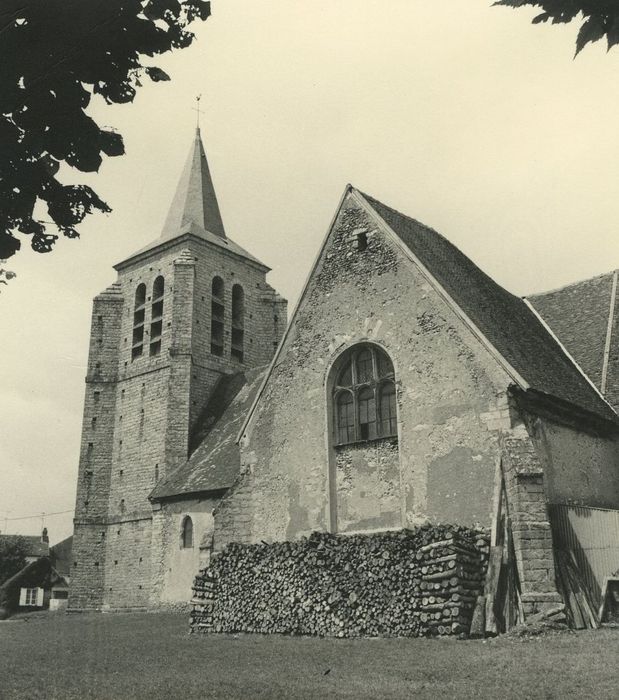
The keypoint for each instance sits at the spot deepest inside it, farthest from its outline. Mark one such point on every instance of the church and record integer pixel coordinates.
(405, 385)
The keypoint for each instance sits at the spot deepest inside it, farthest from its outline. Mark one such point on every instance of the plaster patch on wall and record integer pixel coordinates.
(460, 487)
(368, 486)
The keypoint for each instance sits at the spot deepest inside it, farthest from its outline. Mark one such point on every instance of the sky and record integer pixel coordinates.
(464, 116)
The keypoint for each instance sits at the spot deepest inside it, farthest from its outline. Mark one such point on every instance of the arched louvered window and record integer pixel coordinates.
(139, 310)
(156, 319)
(238, 322)
(187, 533)
(364, 396)
(217, 316)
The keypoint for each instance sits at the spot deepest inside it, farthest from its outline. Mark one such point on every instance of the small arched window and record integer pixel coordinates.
(187, 533)
(238, 322)
(156, 320)
(139, 310)
(364, 396)
(217, 316)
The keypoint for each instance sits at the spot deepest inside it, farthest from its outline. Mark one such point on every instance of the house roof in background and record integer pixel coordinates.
(60, 555)
(36, 573)
(34, 546)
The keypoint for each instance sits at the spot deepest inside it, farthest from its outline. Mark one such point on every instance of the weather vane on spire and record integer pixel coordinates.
(198, 110)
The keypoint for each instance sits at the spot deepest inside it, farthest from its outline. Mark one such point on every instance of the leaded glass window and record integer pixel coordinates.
(364, 396)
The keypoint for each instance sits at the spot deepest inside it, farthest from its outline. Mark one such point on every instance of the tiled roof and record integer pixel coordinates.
(194, 210)
(195, 199)
(60, 555)
(504, 319)
(36, 573)
(215, 464)
(195, 230)
(34, 546)
(578, 315)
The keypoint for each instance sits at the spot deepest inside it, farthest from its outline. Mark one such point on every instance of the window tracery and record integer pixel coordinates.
(364, 396)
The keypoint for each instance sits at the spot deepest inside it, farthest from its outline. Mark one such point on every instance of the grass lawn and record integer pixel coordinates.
(152, 656)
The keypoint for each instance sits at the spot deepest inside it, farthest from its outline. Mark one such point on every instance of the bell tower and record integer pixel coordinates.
(187, 309)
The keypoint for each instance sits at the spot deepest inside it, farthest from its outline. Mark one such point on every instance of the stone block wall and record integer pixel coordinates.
(261, 305)
(88, 566)
(128, 562)
(96, 452)
(528, 514)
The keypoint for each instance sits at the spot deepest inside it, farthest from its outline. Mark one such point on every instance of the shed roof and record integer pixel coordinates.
(216, 462)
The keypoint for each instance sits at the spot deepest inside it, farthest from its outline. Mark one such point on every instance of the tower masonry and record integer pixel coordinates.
(187, 311)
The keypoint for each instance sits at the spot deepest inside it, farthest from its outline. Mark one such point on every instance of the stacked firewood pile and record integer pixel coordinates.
(407, 583)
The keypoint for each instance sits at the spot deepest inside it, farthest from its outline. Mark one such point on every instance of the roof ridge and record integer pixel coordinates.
(406, 216)
(568, 354)
(520, 337)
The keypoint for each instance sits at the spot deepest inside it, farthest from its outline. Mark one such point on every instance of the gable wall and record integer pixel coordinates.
(450, 396)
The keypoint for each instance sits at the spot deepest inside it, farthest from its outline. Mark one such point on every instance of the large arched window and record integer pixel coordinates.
(217, 316)
(156, 320)
(238, 322)
(187, 533)
(139, 309)
(364, 397)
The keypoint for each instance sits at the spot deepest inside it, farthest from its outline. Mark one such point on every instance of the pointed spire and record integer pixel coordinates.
(195, 200)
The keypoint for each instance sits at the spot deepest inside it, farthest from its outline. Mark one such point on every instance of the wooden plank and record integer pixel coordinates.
(492, 581)
(495, 560)
(567, 585)
(602, 608)
(478, 621)
(497, 498)
(509, 615)
(582, 594)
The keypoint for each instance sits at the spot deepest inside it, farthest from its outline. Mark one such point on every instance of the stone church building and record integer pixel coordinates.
(406, 381)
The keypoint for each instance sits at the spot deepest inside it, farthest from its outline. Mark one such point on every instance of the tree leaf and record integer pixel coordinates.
(592, 29)
(112, 143)
(53, 61)
(156, 74)
(544, 17)
(9, 245)
(612, 33)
